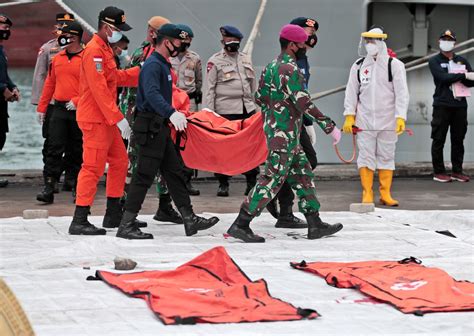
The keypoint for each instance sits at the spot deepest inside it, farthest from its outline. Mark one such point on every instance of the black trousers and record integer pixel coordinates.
(63, 135)
(251, 175)
(3, 122)
(455, 120)
(158, 153)
(285, 195)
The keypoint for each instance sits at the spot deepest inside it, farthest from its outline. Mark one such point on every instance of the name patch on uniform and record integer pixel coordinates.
(98, 63)
(365, 75)
(169, 78)
(209, 66)
(444, 65)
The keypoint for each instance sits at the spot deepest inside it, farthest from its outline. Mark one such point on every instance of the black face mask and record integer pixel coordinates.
(175, 51)
(63, 40)
(312, 40)
(232, 46)
(4, 34)
(300, 53)
(184, 46)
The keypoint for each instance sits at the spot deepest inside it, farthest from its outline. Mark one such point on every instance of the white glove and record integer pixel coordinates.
(179, 121)
(70, 106)
(41, 117)
(124, 128)
(336, 135)
(312, 133)
(469, 76)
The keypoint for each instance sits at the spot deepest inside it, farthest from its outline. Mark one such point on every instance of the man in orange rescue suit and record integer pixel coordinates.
(102, 124)
(62, 84)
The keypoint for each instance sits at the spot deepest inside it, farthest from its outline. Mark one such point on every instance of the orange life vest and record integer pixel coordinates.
(211, 288)
(406, 284)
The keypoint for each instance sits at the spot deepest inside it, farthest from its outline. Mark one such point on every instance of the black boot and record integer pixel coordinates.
(166, 212)
(287, 220)
(193, 223)
(3, 183)
(272, 208)
(140, 224)
(69, 184)
(113, 213)
(240, 229)
(318, 229)
(47, 195)
(55, 185)
(192, 191)
(128, 228)
(223, 190)
(81, 226)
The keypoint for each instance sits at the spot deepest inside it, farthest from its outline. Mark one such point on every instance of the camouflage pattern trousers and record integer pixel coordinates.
(293, 168)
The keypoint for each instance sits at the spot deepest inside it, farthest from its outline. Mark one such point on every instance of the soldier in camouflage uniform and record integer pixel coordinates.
(284, 101)
(165, 212)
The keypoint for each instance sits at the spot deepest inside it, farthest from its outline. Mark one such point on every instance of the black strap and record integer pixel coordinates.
(359, 63)
(390, 76)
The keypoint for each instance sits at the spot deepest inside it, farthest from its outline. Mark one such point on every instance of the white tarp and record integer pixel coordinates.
(45, 268)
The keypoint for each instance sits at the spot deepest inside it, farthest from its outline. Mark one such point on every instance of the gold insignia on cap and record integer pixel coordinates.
(183, 34)
(67, 17)
(310, 22)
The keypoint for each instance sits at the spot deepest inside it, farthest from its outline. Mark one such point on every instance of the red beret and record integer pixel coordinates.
(293, 33)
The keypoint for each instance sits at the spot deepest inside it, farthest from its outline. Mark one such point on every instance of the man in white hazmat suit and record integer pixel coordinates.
(376, 101)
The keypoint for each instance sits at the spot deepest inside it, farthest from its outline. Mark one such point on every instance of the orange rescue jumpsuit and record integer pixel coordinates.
(97, 116)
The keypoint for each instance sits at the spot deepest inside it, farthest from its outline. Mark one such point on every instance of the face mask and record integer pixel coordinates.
(63, 41)
(116, 36)
(124, 53)
(232, 46)
(446, 45)
(311, 41)
(184, 46)
(300, 53)
(4, 34)
(371, 49)
(175, 51)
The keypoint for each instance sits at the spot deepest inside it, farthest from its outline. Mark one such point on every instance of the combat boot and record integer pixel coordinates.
(192, 190)
(81, 226)
(287, 220)
(272, 208)
(318, 229)
(240, 229)
(113, 213)
(128, 228)
(223, 190)
(47, 195)
(69, 184)
(166, 212)
(193, 223)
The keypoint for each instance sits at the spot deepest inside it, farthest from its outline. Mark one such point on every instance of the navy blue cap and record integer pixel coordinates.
(230, 31)
(172, 30)
(185, 28)
(305, 22)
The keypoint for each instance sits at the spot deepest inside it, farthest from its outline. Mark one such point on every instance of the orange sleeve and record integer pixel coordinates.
(95, 78)
(48, 89)
(128, 77)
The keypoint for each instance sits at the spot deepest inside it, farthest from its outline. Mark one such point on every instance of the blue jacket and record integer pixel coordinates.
(154, 93)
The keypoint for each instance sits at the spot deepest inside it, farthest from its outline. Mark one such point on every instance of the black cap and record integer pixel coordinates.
(64, 17)
(448, 33)
(5, 19)
(172, 30)
(231, 31)
(73, 28)
(115, 17)
(305, 22)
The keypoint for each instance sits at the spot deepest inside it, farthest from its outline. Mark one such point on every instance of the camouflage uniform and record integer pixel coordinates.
(284, 101)
(127, 107)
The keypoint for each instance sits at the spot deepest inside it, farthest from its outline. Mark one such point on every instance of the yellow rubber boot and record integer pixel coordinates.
(385, 178)
(367, 182)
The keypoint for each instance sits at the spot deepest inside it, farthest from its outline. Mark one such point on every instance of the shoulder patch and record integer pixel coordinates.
(210, 65)
(40, 51)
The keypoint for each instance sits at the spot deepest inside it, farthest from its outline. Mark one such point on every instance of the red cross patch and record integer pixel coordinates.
(366, 72)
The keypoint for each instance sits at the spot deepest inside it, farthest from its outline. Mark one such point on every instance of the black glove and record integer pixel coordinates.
(198, 97)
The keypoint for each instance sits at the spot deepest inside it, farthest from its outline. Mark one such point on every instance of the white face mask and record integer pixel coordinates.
(372, 49)
(116, 36)
(124, 53)
(446, 45)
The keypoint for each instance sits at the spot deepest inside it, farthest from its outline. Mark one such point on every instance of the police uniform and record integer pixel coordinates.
(62, 84)
(189, 71)
(230, 93)
(45, 54)
(156, 151)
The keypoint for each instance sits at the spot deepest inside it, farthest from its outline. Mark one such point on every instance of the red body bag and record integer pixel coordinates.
(211, 288)
(405, 284)
(215, 144)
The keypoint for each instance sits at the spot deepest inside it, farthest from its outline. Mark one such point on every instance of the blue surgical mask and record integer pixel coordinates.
(116, 36)
(124, 53)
